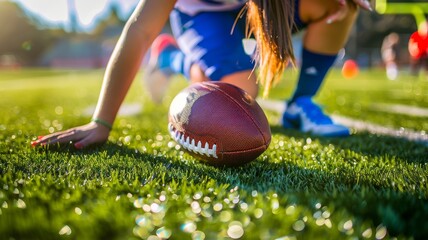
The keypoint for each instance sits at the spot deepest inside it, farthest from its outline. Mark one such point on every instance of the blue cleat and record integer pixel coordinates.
(303, 114)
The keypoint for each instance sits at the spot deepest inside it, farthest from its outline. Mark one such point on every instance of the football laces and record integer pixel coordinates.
(191, 145)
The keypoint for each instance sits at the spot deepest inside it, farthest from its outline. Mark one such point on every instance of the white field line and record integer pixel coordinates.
(401, 109)
(279, 106)
(358, 125)
(130, 109)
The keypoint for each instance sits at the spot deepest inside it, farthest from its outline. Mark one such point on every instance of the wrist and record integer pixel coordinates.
(102, 122)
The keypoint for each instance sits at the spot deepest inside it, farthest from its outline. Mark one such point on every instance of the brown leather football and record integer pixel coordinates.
(219, 123)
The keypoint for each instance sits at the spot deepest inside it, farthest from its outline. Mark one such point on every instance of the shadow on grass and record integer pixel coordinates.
(369, 144)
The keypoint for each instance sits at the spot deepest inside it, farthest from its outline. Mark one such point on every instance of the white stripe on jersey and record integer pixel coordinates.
(192, 7)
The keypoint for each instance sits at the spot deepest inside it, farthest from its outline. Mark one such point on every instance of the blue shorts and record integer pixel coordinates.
(207, 39)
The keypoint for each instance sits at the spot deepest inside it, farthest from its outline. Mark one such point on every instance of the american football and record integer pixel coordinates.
(219, 123)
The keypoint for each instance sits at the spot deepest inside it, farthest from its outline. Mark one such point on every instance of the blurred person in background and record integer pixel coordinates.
(390, 54)
(418, 49)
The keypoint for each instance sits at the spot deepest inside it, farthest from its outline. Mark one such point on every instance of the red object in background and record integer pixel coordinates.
(350, 69)
(418, 45)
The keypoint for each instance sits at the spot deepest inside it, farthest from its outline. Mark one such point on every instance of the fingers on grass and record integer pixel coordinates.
(60, 137)
(84, 142)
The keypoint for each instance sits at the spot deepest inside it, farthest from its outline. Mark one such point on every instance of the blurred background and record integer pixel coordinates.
(82, 34)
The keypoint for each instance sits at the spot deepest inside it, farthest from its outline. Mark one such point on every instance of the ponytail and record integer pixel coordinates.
(271, 23)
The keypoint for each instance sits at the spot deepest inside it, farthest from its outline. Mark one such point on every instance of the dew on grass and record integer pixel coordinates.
(318, 205)
(317, 214)
(275, 205)
(59, 110)
(162, 198)
(153, 237)
(198, 235)
(188, 227)
(159, 137)
(328, 223)
(197, 196)
(78, 211)
(21, 204)
(367, 233)
(348, 225)
(140, 232)
(287, 238)
(243, 207)
(225, 216)
(46, 123)
(146, 208)
(127, 139)
(163, 233)
(206, 213)
(171, 144)
(381, 232)
(235, 230)
(156, 208)
(66, 230)
(299, 225)
(196, 208)
(326, 214)
(254, 193)
(218, 207)
(143, 221)
(138, 203)
(320, 221)
(258, 213)
(207, 199)
(290, 210)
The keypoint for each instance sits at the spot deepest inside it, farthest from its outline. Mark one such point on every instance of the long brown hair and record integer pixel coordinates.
(271, 23)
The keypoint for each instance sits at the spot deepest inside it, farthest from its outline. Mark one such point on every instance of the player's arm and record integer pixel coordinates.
(141, 29)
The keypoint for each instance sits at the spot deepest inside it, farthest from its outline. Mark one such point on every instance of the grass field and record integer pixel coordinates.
(141, 185)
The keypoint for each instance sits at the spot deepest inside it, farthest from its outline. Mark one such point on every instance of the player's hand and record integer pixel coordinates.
(344, 7)
(80, 137)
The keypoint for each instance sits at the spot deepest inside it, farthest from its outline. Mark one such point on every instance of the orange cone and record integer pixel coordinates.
(350, 69)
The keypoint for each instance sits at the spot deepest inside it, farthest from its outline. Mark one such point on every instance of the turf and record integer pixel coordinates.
(141, 185)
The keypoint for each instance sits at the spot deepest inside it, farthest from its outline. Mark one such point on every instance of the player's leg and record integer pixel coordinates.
(425, 64)
(214, 53)
(165, 59)
(321, 43)
(204, 53)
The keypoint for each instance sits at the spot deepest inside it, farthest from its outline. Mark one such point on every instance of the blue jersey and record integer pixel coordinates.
(192, 7)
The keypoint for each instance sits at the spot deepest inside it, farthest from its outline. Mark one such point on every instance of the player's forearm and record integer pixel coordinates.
(141, 29)
(120, 72)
